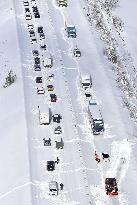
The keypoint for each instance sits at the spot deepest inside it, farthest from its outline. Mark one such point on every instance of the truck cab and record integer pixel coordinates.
(53, 188)
(95, 117)
(86, 81)
(71, 31)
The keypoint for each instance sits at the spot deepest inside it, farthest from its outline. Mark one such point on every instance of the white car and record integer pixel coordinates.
(43, 45)
(33, 2)
(40, 90)
(76, 52)
(58, 130)
(28, 16)
(53, 188)
(50, 77)
(48, 62)
(26, 3)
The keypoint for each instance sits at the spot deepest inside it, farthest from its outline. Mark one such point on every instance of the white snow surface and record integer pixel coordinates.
(23, 174)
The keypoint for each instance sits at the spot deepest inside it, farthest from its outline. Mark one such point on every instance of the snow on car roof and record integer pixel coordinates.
(43, 108)
(94, 110)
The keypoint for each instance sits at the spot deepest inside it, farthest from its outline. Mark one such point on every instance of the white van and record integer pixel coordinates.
(48, 62)
(53, 188)
(44, 118)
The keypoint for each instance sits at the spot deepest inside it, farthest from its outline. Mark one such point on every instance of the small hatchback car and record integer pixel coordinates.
(77, 52)
(50, 165)
(58, 130)
(38, 79)
(50, 87)
(40, 91)
(57, 118)
(35, 53)
(37, 68)
(53, 97)
(40, 29)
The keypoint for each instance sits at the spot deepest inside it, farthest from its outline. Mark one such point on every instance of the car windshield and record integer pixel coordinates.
(53, 189)
(86, 84)
(98, 126)
(88, 95)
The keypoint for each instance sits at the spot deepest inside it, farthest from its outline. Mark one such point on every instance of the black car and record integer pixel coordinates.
(27, 10)
(50, 165)
(53, 97)
(35, 9)
(36, 15)
(37, 67)
(37, 60)
(77, 52)
(57, 118)
(32, 33)
(40, 29)
(38, 79)
(43, 46)
(47, 142)
(35, 53)
(42, 36)
(88, 95)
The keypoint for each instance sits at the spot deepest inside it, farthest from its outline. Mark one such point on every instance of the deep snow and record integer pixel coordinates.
(25, 155)
(14, 163)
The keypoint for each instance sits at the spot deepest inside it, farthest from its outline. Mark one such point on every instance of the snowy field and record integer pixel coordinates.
(14, 168)
(23, 175)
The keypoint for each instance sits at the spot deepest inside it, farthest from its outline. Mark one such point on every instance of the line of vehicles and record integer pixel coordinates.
(34, 8)
(94, 113)
(45, 113)
(44, 60)
(97, 125)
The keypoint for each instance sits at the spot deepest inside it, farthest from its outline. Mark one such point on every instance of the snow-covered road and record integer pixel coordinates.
(83, 178)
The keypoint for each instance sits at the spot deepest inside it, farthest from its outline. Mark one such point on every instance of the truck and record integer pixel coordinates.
(86, 80)
(95, 117)
(71, 31)
(44, 115)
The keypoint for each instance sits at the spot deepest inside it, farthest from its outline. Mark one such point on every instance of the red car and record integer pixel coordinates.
(53, 97)
(111, 186)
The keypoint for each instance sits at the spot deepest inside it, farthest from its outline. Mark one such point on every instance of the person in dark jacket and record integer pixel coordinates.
(61, 186)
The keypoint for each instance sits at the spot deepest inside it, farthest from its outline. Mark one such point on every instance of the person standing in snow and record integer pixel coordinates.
(61, 186)
(97, 157)
(57, 160)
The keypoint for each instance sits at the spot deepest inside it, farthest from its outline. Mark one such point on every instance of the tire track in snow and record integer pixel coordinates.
(17, 188)
(120, 171)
